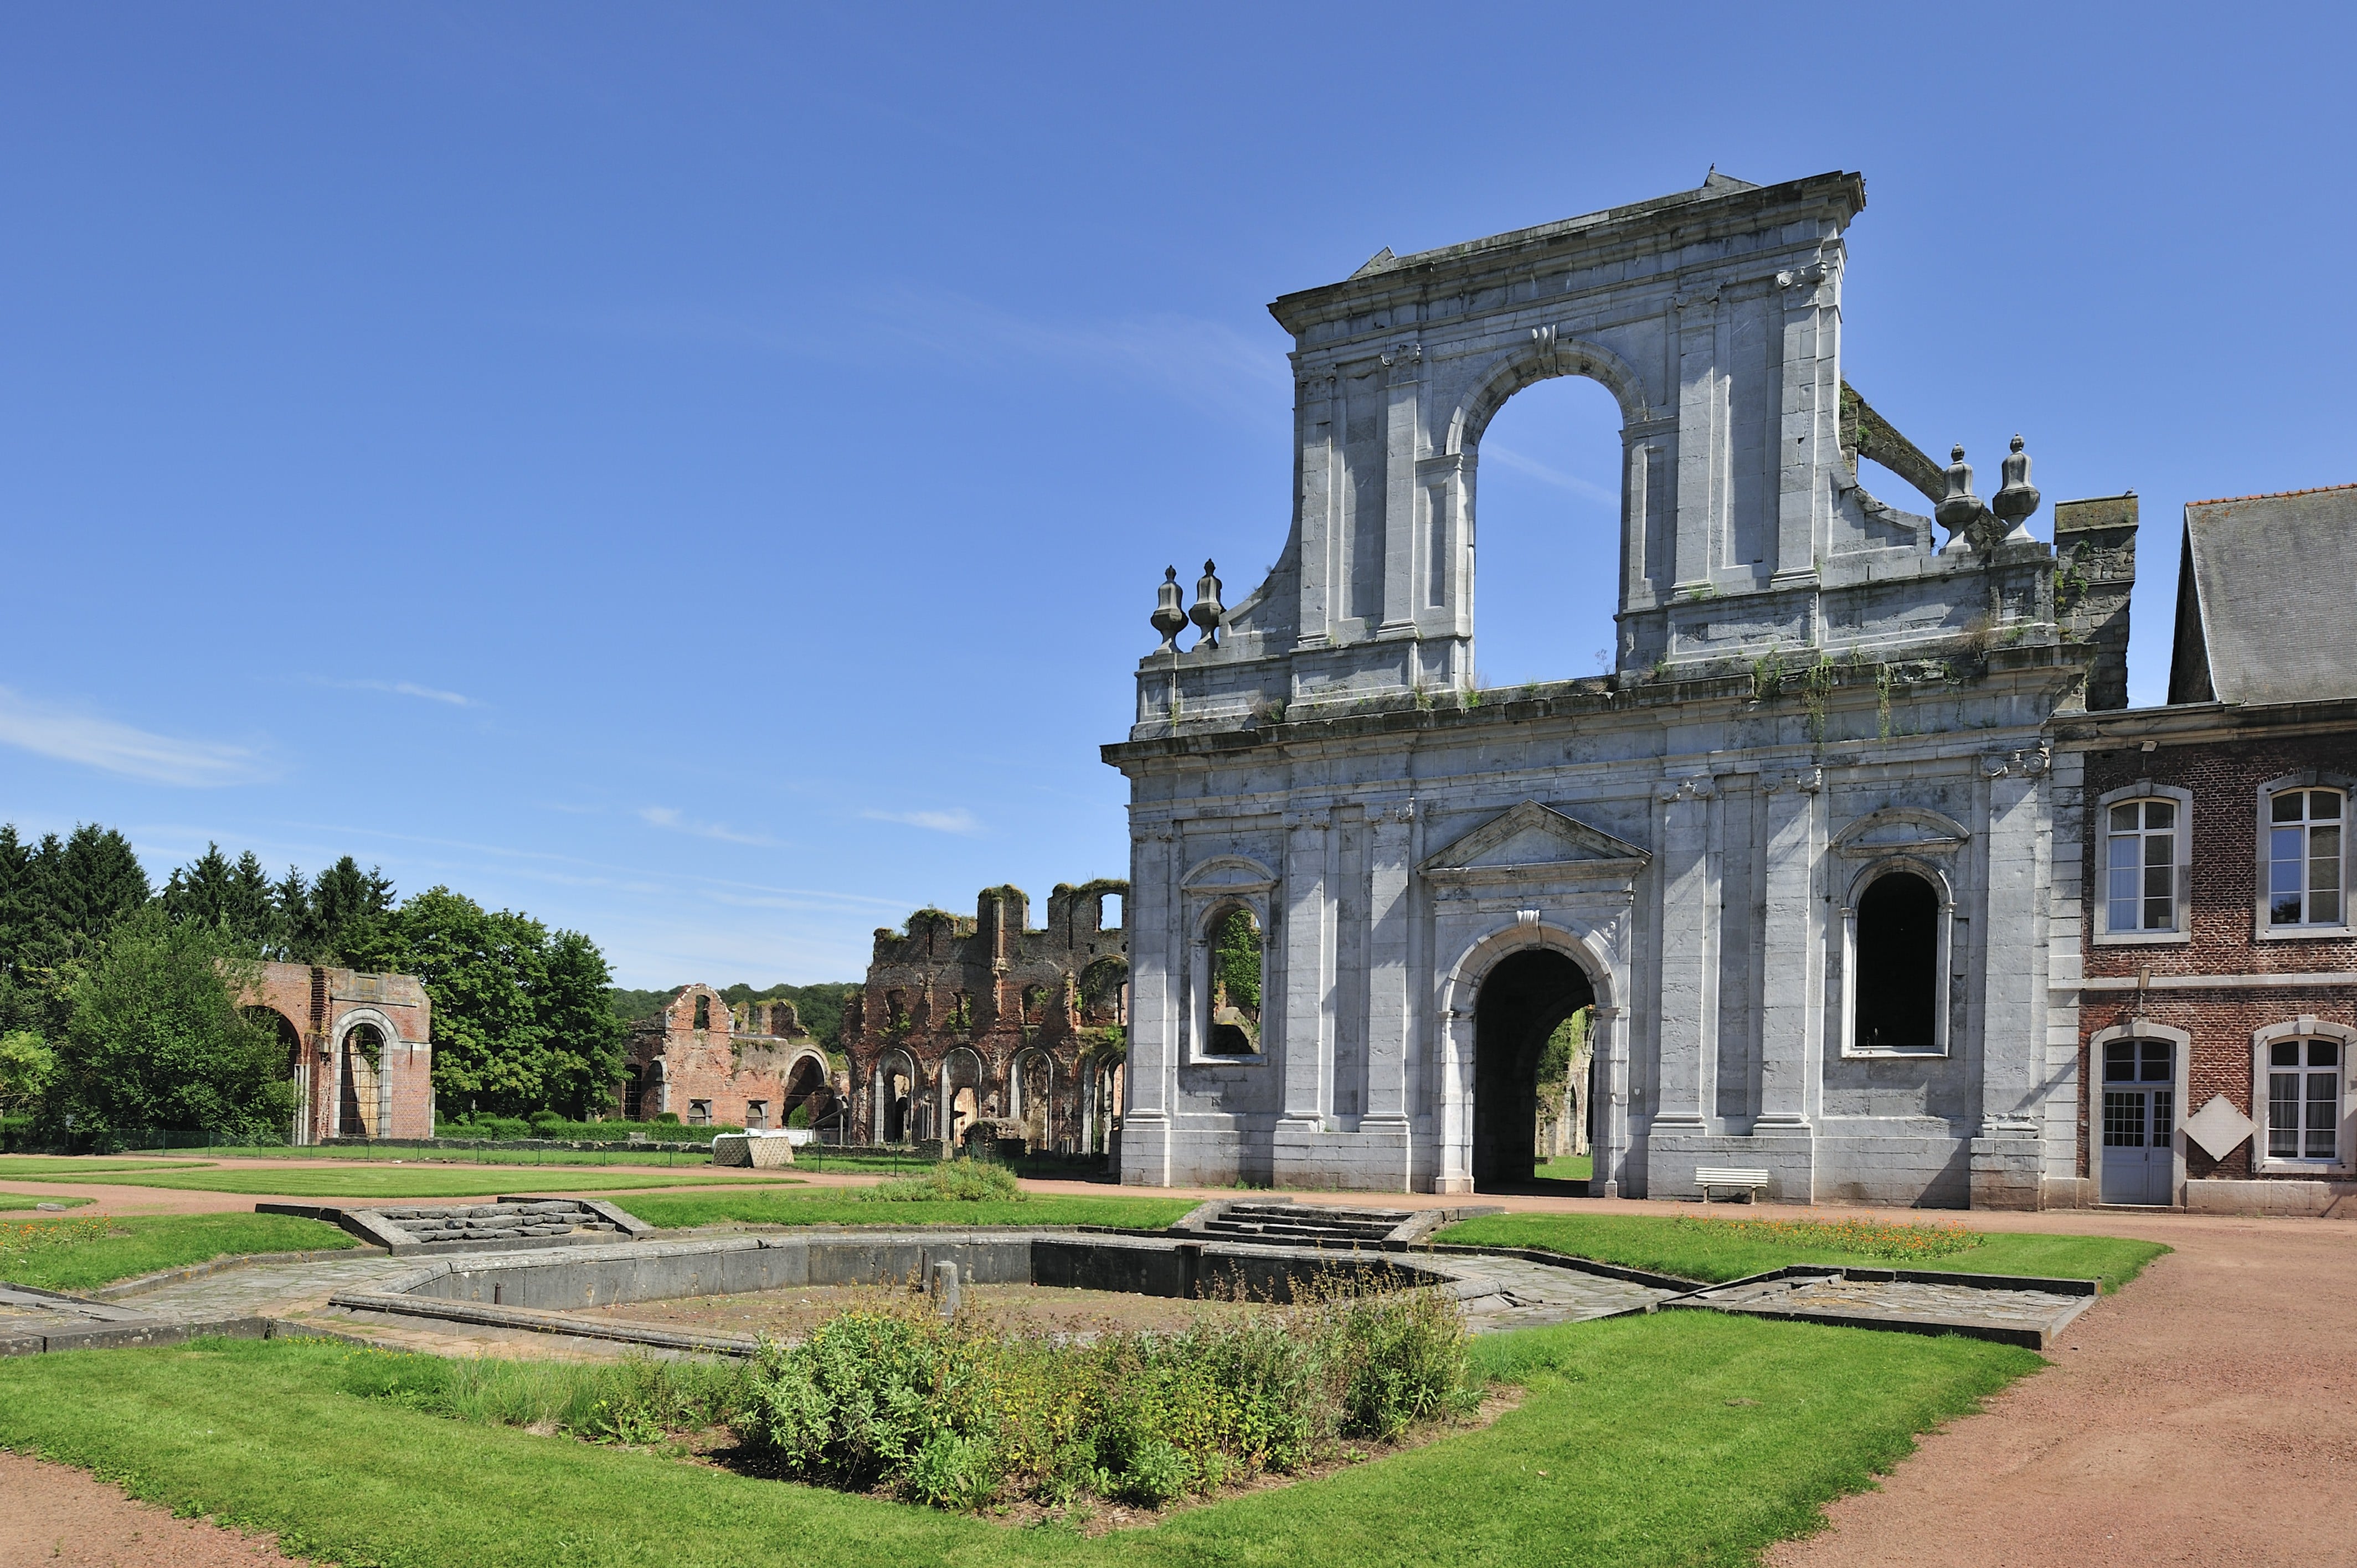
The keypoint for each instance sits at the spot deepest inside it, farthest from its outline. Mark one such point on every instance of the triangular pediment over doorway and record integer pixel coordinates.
(1530, 838)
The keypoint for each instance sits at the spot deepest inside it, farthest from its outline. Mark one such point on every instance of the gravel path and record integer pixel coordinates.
(2205, 1415)
(58, 1517)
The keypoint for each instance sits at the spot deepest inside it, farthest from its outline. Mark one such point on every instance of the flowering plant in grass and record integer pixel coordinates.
(1913, 1241)
(32, 1236)
(956, 1414)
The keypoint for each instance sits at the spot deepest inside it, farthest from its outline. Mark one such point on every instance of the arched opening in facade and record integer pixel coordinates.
(1103, 989)
(704, 1012)
(1898, 965)
(896, 1098)
(1238, 972)
(961, 1093)
(1547, 570)
(281, 1029)
(1032, 1096)
(362, 1065)
(634, 1094)
(1521, 1001)
(810, 1099)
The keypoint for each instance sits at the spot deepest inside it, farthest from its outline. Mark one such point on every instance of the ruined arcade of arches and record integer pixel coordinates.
(1819, 705)
(986, 1023)
(359, 1050)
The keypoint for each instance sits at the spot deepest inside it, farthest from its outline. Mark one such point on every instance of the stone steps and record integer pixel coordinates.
(1305, 1225)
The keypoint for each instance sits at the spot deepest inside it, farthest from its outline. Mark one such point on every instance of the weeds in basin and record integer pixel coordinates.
(962, 1181)
(957, 1414)
(1913, 1241)
(636, 1401)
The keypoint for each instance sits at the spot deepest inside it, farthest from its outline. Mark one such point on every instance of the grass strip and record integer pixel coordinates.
(390, 1155)
(1683, 1438)
(1715, 1250)
(90, 1253)
(849, 1206)
(14, 1200)
(416, 1181)
(47, 1167)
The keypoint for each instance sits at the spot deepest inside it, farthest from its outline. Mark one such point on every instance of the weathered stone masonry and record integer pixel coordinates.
(986, 1020)
(358, 1047)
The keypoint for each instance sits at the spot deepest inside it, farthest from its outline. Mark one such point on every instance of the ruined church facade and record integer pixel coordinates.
(1803, 850)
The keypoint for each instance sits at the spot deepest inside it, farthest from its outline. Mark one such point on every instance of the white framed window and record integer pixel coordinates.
(1895, 957)
(699, 1113)
(757, 1114)
(2144, 864)
(2306, 844)
(2300, 1098)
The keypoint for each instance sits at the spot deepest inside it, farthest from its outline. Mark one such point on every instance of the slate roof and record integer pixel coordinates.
(2265, 585)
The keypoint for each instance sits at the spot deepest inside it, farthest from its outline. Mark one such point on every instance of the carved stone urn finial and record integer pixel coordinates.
(1168, 619)
(2017, 498)
(1959, 509)
(1208, 609)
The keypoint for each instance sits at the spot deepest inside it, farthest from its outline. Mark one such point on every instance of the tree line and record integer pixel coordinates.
(120, 1001)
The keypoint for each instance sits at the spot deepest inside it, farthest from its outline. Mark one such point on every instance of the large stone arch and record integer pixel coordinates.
(1459, 993)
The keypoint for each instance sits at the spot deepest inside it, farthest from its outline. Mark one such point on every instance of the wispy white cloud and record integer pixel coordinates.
(406, 689)
(119, 748)
(957, 820)
(671, 820)
(1493, 453)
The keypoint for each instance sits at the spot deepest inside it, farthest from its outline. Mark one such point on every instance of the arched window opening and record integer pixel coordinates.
(1102, 986)
(961, 1010)
(704, 1012)
(896, 1083)
(961, 1094)
(896, 1010)
(1109, 912)
(1898, 965)
(1547, 554)
(1522, 1003)
(634, 1100)
(356, 1111)
(1237, 971)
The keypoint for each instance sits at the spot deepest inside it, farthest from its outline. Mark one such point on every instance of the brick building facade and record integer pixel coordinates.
(2218, 1000)
(358, 1047)
(714, 1065)
(967, 1021)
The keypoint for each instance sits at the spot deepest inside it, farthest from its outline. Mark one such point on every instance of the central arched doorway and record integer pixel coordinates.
(1522, 1000)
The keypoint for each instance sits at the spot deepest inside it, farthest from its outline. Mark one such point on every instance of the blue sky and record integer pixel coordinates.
(698, 473)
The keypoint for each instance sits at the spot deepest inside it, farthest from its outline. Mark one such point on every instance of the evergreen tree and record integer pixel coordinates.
(238, 898)
(73, 892)
(336, 916)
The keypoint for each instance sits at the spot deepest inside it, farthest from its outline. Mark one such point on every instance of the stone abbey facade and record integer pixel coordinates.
(1797, 849)
(966, 1022)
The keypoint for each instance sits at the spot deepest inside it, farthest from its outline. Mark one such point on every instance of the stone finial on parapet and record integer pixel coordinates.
(2016, 498)
(1959, 509)
(1168, 619)
(1208, 609)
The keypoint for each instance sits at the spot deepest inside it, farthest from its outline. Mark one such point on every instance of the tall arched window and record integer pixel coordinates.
(1236, 977)
(1896, 952)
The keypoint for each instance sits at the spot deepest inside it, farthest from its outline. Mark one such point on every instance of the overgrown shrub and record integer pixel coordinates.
(956, 1414)
(971, 1181)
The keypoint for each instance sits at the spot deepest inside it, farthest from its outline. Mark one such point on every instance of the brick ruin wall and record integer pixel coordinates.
(747, 1070)
(1028, 1023)
(359, 1046)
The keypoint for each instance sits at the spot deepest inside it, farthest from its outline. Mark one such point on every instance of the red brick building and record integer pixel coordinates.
(359, 1046)
(987, 1020)
(2218, 1004)
(710, 1066)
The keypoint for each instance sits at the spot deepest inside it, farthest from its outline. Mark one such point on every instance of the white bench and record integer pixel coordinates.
(1753, 1182)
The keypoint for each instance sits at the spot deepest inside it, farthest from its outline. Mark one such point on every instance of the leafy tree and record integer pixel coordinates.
(27, 1066)
(1235, 961)
(156, 1039)
(520, 1020)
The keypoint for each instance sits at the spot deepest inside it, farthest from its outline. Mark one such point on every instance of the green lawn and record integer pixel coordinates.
(46, 1168)
(12, 1201)
(414, 1181)
(1671, 1246)
(141, 1244)
(840, 1207)
(1566, 1167)
(376, 1154)
(1683, 1438)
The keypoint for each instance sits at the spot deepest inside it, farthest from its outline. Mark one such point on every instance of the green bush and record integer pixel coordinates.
(541, 1121)
(970, 1181)
(668, 1118)
(955, 1413)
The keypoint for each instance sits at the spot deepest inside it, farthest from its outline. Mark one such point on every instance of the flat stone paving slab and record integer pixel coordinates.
(1514, 1293)
(2008, 1316)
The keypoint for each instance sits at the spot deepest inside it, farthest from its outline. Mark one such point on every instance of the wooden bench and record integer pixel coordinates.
(1753, 1182)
